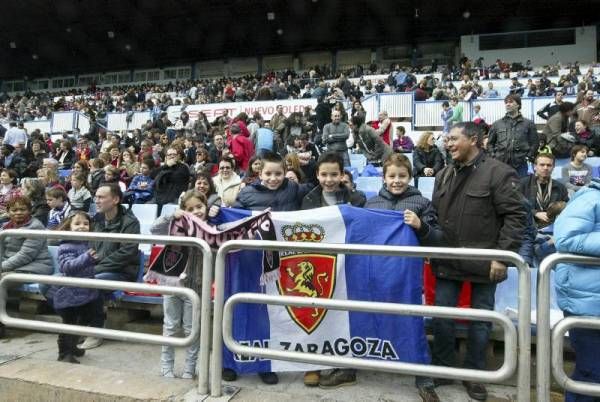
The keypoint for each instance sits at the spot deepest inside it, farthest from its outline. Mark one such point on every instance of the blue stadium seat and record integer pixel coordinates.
(358, 161)
(594, 161)
(369, 185)
(426, 186)
(146, 214)
(168, 209)
(62, 173)
(122, 296)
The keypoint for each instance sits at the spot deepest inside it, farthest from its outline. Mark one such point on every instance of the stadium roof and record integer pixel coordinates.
(52, 37)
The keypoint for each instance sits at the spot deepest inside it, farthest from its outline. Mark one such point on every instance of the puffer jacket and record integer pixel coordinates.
(257, 197)
(29, 256)
(74, 261)
(115, 256)
(513, 141)
(577, 231)
(430, 233)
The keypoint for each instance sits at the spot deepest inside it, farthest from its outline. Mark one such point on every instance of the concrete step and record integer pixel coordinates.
(27, 379)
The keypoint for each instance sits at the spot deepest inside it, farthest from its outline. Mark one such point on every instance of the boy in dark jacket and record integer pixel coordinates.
(273, 190)
(330, 191)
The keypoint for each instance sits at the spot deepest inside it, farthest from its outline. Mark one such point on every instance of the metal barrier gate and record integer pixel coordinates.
(221, 325)
(543, 332)
(201, 308)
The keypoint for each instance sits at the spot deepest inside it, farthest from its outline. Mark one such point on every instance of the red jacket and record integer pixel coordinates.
(242, 149)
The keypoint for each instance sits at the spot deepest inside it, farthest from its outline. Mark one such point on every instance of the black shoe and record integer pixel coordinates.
(428, 394)
(269, 378)
(476, 390)
(70, 359)
(78, 352)
(61, 357)
(440, 382)
(2, 331)
(229, 375)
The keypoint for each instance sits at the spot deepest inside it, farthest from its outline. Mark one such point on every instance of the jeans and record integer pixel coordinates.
(586, 344)
(98, 317)
(446, 294)
(345, 157)
(522, 171)
(177, 311)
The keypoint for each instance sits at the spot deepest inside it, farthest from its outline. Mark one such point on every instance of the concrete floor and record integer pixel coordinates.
(139, 365)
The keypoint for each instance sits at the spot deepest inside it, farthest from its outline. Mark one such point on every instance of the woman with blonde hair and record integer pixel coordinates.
(427, 159)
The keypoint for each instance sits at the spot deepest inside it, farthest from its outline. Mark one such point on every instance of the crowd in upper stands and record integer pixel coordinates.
(464, 81)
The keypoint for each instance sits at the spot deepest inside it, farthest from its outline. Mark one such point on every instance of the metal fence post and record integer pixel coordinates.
(543, 319)
(524, 315)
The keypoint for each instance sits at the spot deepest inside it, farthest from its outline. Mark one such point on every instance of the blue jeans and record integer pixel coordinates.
(522, 171)
(586, 344)
(443, 353)
(98, 318)
(178, 313)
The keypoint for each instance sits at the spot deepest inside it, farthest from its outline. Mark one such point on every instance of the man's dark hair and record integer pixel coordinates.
(566, 107)
(470, 129)
(114, 189)
(330, 157)
(272, 157)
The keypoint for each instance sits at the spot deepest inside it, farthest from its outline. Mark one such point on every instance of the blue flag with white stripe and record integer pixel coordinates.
(353, 277)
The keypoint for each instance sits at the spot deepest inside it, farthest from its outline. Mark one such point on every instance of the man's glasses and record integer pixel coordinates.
(224, 168)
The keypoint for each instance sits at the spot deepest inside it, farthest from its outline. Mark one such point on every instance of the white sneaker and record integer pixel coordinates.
(167, 374)
(187, 375)
(91, 343)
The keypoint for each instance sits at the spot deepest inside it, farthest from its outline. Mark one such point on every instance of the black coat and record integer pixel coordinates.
(528, 186)
(479, 206)
(170, 182)
(257, 197)
(427, 159)
(314, 199)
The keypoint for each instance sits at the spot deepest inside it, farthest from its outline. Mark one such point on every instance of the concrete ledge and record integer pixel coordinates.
(30, 380)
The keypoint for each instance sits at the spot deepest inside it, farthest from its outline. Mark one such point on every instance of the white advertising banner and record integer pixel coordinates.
(266, 108)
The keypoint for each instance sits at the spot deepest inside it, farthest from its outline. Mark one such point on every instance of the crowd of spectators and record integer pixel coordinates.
(247, 162)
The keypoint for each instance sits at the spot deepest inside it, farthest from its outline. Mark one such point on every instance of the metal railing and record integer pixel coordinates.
(118, 335)
(205, 302)
(524, 311)
(501, 374)
(554, 351)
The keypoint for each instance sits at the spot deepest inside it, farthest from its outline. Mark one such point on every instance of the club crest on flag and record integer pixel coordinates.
(306, 275)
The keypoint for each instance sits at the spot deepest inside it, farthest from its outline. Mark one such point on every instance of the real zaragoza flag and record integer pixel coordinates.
(354, 277)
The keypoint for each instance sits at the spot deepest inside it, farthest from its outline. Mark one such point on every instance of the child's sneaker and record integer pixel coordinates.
(188, 375)
(167, 373)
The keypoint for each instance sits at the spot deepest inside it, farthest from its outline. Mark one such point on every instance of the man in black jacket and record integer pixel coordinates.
(513, 139)
(540, 190)
(479, 206)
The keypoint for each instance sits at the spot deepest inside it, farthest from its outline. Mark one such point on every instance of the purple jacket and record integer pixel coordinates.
(75, 261)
